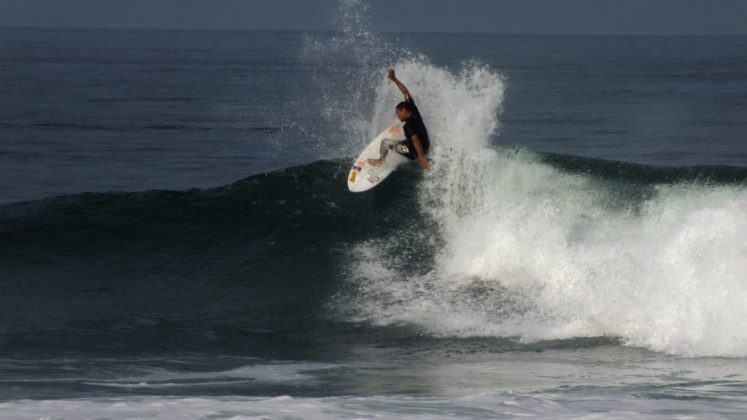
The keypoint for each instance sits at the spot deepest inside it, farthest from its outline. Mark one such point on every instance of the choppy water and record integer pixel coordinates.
(176, 238)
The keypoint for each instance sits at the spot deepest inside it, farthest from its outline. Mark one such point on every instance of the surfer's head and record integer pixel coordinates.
(403, 111)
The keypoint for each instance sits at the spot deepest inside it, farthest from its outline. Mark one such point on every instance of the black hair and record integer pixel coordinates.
(404, 105)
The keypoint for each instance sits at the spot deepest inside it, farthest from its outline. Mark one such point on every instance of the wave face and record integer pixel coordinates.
(509, 244)
(224, 268)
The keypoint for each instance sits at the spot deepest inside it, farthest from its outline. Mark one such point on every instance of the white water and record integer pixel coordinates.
(482, 405)
(534, 253)
(600, 382)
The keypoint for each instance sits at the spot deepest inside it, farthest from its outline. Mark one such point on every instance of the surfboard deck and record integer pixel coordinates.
(363, 176)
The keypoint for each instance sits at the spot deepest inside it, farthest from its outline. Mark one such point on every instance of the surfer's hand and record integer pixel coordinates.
(424, 164)
(391, 75)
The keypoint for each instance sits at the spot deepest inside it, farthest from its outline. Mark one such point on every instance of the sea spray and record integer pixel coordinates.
(344, 67)
(511, 245)
(527, 250)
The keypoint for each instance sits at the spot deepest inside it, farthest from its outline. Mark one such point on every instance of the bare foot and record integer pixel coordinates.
(374, 162)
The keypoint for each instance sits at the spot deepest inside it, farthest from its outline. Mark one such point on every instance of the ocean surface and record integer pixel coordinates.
(177, 239)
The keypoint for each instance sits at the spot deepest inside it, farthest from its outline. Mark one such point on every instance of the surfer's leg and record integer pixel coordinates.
(383, 150)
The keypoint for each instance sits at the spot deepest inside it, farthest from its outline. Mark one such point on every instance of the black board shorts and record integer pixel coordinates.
(402, 148)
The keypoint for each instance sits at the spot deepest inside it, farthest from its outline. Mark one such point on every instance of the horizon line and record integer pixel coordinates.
(336, 31)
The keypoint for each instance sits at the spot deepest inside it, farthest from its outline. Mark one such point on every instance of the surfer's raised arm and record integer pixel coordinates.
(399, 84)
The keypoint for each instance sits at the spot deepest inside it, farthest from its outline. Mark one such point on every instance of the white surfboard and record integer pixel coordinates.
(364, 176)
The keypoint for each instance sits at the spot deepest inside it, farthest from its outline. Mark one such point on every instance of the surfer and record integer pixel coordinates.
(416, 142)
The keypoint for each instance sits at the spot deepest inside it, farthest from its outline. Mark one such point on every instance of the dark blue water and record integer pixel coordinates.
(111, 110)
(134, 110)
(175, 225)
